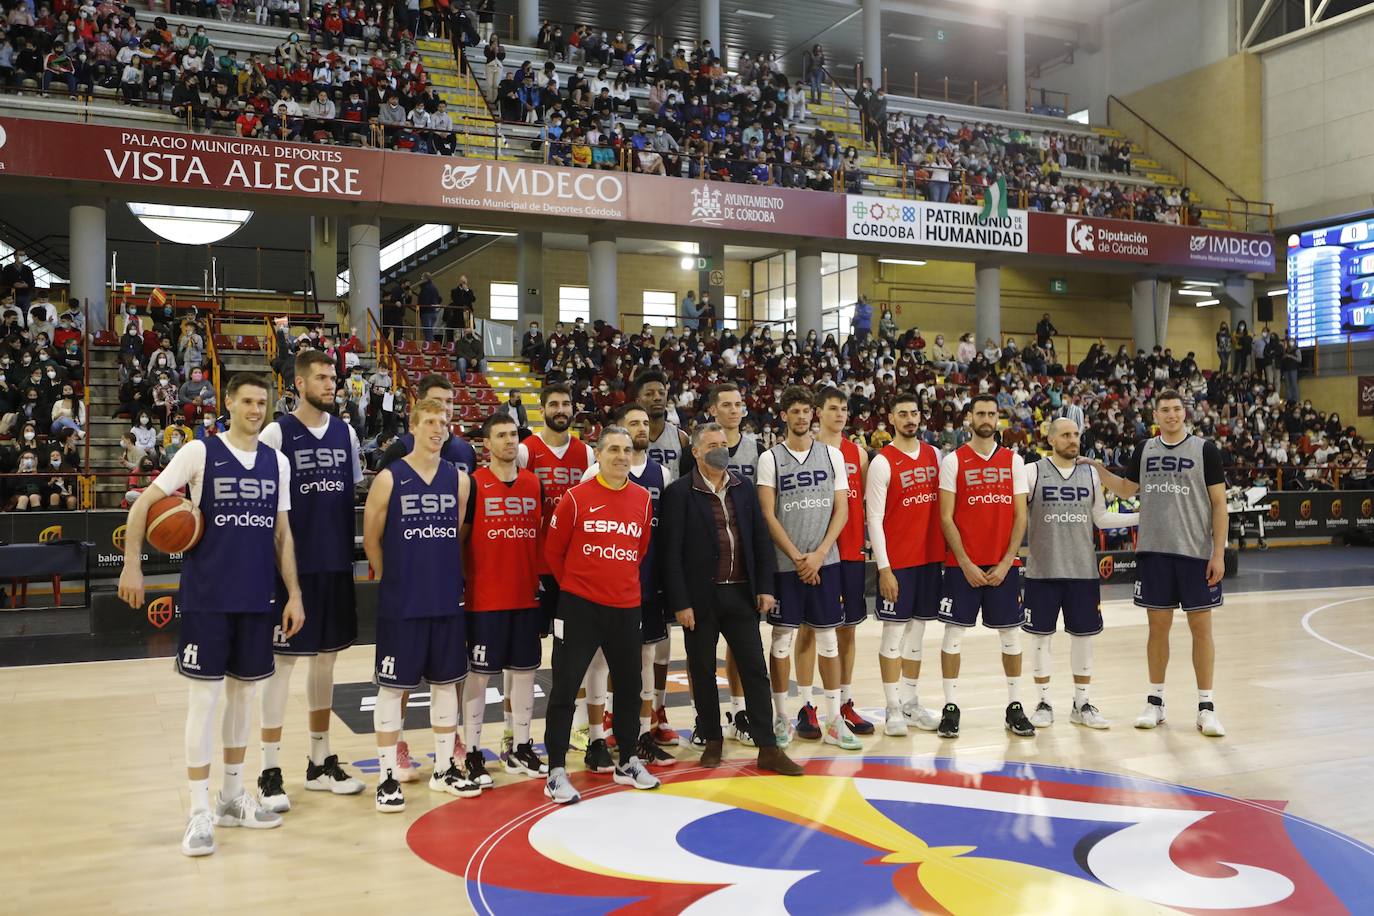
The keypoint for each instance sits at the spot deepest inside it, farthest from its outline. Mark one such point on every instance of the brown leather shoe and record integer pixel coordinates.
(772, 758)
(710, 756)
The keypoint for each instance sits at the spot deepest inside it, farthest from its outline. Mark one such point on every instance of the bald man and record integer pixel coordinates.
(1064, 502)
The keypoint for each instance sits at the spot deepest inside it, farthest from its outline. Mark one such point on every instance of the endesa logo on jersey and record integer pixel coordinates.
(507, 512)
(433, 506)
(885, 835)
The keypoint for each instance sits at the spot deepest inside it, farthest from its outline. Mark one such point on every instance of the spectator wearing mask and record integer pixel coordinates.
(532, 343)
(166, 401)
(68, 413)
(140, 478)
(468, 351)
(863, 319)
(515, 407)
(195, 396)
(26, 491)
(462, 303)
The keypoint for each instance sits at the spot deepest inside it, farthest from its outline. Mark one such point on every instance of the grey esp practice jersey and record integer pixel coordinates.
(667, 451)
(1059, 524)
(804, 499)
(1175, 508)
(744, 460)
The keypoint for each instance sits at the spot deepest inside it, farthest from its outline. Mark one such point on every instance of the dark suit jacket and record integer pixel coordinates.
(686, 543)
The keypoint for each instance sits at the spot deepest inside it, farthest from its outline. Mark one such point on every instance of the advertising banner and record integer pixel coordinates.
(919, 222)
(517, 187)
(1320, 513)
(1155, 243)
(167, 159)
(722, 205)
(1364, 397)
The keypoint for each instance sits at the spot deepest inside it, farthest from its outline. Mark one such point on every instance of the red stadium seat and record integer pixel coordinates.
(441, 364)
(223, 342)
(249, 342)
(463, 396)
(106, 338)
(432, 347)
(487, 397)
(407, 346)
(477, 380)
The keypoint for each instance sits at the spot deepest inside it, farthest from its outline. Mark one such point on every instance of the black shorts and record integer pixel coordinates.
(817, 606)
(331, 615)
(504, 640)
(433, 649)
(852, 596)
(212, 646)
(1079, 599)
(1164, 581)
(918, 594)
(1000, 604)
(548, 603)
(653, 625)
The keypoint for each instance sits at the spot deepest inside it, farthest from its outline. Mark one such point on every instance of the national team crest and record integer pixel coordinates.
(161, 611)
(1105, 566)
(50, 534)
(889, 835)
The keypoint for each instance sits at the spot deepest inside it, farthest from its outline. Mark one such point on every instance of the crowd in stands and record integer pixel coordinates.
(42, 412)
(1268, 434)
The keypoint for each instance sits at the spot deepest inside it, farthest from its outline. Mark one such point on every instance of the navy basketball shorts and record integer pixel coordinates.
(432, 649)
(1164, 581)
(504, 640)
(817, 606)
(212, 646)
(548, 603)
(331, 615)
(852, 597)
(653, 625)
(919, 589)
(1079, 599)
(1000, 604)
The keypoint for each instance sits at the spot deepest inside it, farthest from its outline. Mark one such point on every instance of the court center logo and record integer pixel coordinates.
(161, 611)
(889, 835)
(50, 534)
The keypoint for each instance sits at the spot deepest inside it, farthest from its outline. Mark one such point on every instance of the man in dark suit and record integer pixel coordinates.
(717, 564)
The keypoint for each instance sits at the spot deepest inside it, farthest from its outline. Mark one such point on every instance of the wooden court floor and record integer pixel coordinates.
(96, 798)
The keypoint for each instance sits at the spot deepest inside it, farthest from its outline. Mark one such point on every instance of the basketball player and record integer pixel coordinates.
(559, 460)
(1065, 501)
(671, 450)
(902, 501)
(323, 452)
(653, 632)
(226, 598)
(596, 541)
(983, 517)
(798, 483)
(502, 559)
(726, 404)
(461, 454)
(411, 535)
(1181, 551)
(459, 451)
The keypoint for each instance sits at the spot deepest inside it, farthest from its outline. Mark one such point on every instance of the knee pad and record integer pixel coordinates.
(912, 648)
(275, 691)
(202, 698)
(782, 642)
(827, 643)
(443, 705)
(1040, 654)
(386, 715)
(238, 712)
(319, 683)
(890, 645)
(663, 651)
(1011, 641)
(597, 674)
(954, 637)
(1081, 655)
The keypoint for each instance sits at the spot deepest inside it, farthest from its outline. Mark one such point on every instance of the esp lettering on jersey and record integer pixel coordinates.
(502, 554)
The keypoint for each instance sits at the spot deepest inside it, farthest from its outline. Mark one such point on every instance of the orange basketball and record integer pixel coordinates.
(174, 525)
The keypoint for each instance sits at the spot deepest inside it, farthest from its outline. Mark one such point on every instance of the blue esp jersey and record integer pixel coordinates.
(321, 494)
(422, 567)
(231, 570)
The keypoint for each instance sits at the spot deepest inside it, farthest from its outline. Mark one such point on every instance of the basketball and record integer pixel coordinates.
(174, 525)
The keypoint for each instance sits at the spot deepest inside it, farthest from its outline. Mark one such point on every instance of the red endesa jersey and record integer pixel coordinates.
(911, 517)
(503, 549)
(983, 505)
(597, 539)
(557, 475)
(851, 539)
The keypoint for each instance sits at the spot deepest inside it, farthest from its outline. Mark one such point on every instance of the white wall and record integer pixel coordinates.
(1143, 44)
(1318, 126)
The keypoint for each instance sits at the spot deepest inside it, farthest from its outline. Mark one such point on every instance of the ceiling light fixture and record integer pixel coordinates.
(901, 37)
(1276, 293)
(908, 262)
(687, 263)
(1194, 292)
(504, 235)
(753, 14)
(1207, 283)
(1201, 302)
(190, 225)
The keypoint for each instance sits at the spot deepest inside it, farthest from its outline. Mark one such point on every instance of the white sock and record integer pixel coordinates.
(473, 693)
(646, 723)
(909, 692)
(736, 705)
(661, 699)
(846, 694)
(1044, 692)
(1204, 696)
(200, 794)
(1013, 690)
(233, 780)
(443, 750)
(319, 747)
(891, 695)
(1157, 690)
(832, 705)
(1080, 694)
(580, 714)
(386, 762)
(522, 705)
(951, 690)
(780, 704)
(596, 730)
(817, 693)
(509, 718)
(271, 755)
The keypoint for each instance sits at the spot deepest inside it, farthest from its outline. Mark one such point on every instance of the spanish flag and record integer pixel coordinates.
(157, 296)
(129, 288)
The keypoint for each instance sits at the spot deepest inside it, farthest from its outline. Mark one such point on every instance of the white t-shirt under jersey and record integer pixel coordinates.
(188, 467)
(271, 437)
(768, 469)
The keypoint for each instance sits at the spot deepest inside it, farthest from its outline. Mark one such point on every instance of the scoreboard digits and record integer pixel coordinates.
(1331, 282)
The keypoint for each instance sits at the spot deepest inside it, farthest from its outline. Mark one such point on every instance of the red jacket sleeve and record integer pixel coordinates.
(559, 535)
